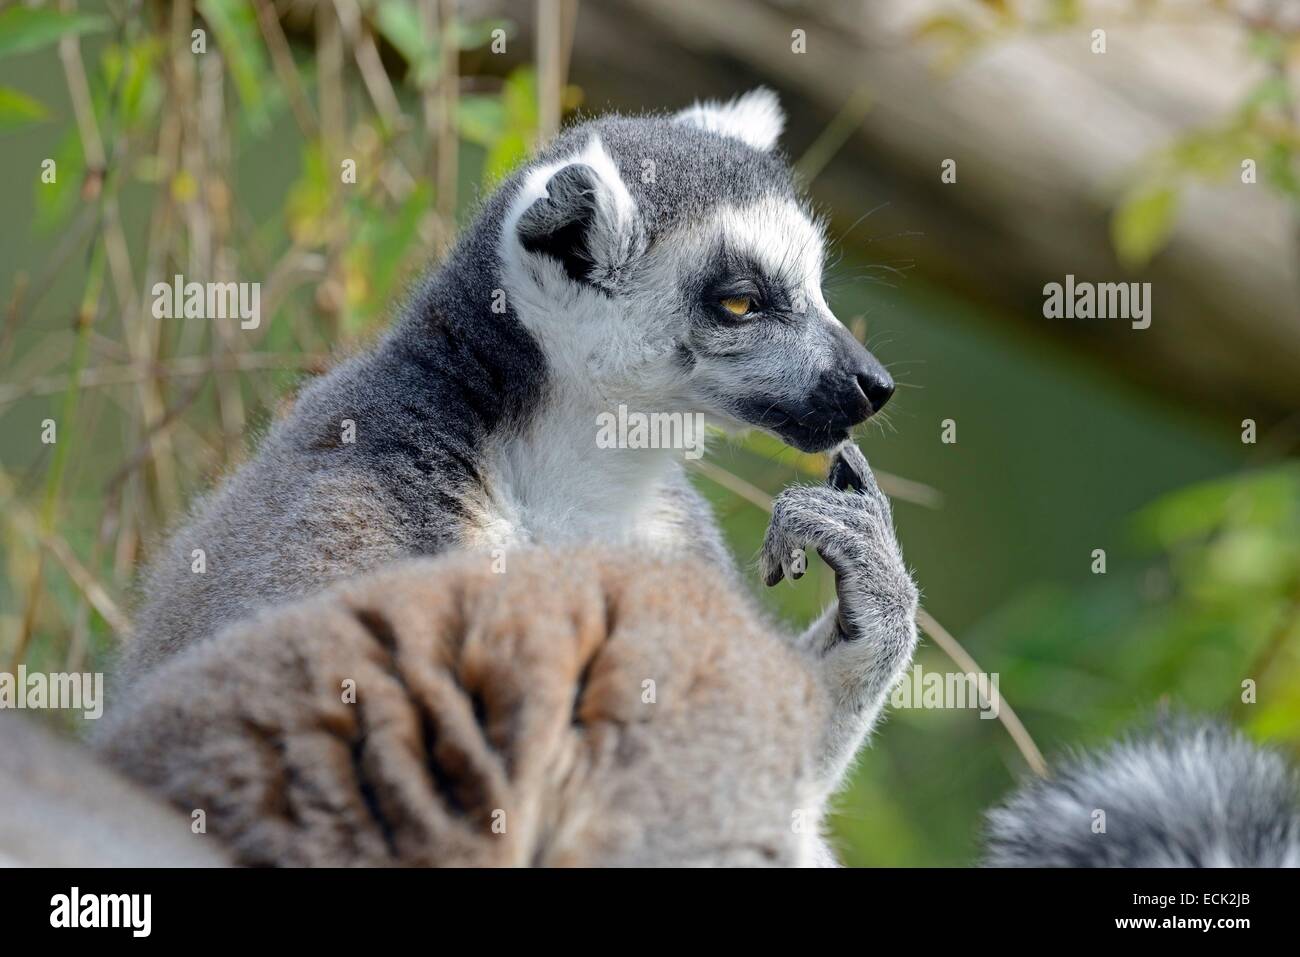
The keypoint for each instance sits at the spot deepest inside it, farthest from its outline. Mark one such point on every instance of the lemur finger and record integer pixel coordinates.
(783, 555)
(844, 527)
(790, 562)
(851, 539)
(804, 517)
(770, 558)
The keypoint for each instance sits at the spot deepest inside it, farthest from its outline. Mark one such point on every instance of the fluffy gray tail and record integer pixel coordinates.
(1190, 793)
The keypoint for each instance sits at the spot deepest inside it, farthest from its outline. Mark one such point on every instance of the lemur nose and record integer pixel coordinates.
(877, 386)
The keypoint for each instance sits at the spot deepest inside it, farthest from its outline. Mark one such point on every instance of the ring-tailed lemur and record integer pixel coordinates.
(1187, 793)
(661, 264)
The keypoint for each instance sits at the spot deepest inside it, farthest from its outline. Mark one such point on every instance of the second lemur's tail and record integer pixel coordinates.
(1190, 793)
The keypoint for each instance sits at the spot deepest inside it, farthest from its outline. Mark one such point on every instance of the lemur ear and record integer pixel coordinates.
(559, 224)
(756, 118)
(582, 215)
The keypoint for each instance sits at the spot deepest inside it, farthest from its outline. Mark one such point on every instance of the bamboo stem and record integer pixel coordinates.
(54, 479)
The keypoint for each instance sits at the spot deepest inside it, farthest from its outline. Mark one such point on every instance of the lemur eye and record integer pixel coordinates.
(738, 305)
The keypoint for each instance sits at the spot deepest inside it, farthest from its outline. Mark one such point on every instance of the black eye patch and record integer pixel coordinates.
(733, 282)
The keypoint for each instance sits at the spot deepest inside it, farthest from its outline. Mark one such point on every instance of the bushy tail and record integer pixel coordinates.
(1189, 793)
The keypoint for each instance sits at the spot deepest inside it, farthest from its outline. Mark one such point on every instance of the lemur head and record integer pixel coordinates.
(670, 264)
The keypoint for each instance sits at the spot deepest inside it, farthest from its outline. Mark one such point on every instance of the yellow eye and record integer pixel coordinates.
(738, 305)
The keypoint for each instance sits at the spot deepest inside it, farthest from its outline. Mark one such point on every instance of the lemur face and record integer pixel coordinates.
(669, 263)
(761, 345)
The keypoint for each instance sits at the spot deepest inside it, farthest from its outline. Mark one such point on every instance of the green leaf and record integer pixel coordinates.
(1267, 499)
(520, 94)
(1212, 152)
(134, 71)
(1279, 171)
(955, 38)
(1267, 46)
(18, 110)
(55, 201)
(519, 99)
(23, 29)
(1270, 91)
(307, 204)
(1142, 223)
(1064, 12)
(480, 118)
(386, 247)
(399, 23)
(470, 35)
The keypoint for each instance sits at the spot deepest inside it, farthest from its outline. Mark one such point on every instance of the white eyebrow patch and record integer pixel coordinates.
(778, 235)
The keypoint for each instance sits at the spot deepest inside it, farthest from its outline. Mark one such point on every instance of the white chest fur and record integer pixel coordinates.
(554, 486)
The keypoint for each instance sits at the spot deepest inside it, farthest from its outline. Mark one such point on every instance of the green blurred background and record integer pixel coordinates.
(1071, 437)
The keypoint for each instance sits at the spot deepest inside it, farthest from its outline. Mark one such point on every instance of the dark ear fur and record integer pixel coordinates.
(558, 224)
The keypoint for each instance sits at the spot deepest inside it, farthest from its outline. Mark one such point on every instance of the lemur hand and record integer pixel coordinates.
(850, 523)
(867, 638)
